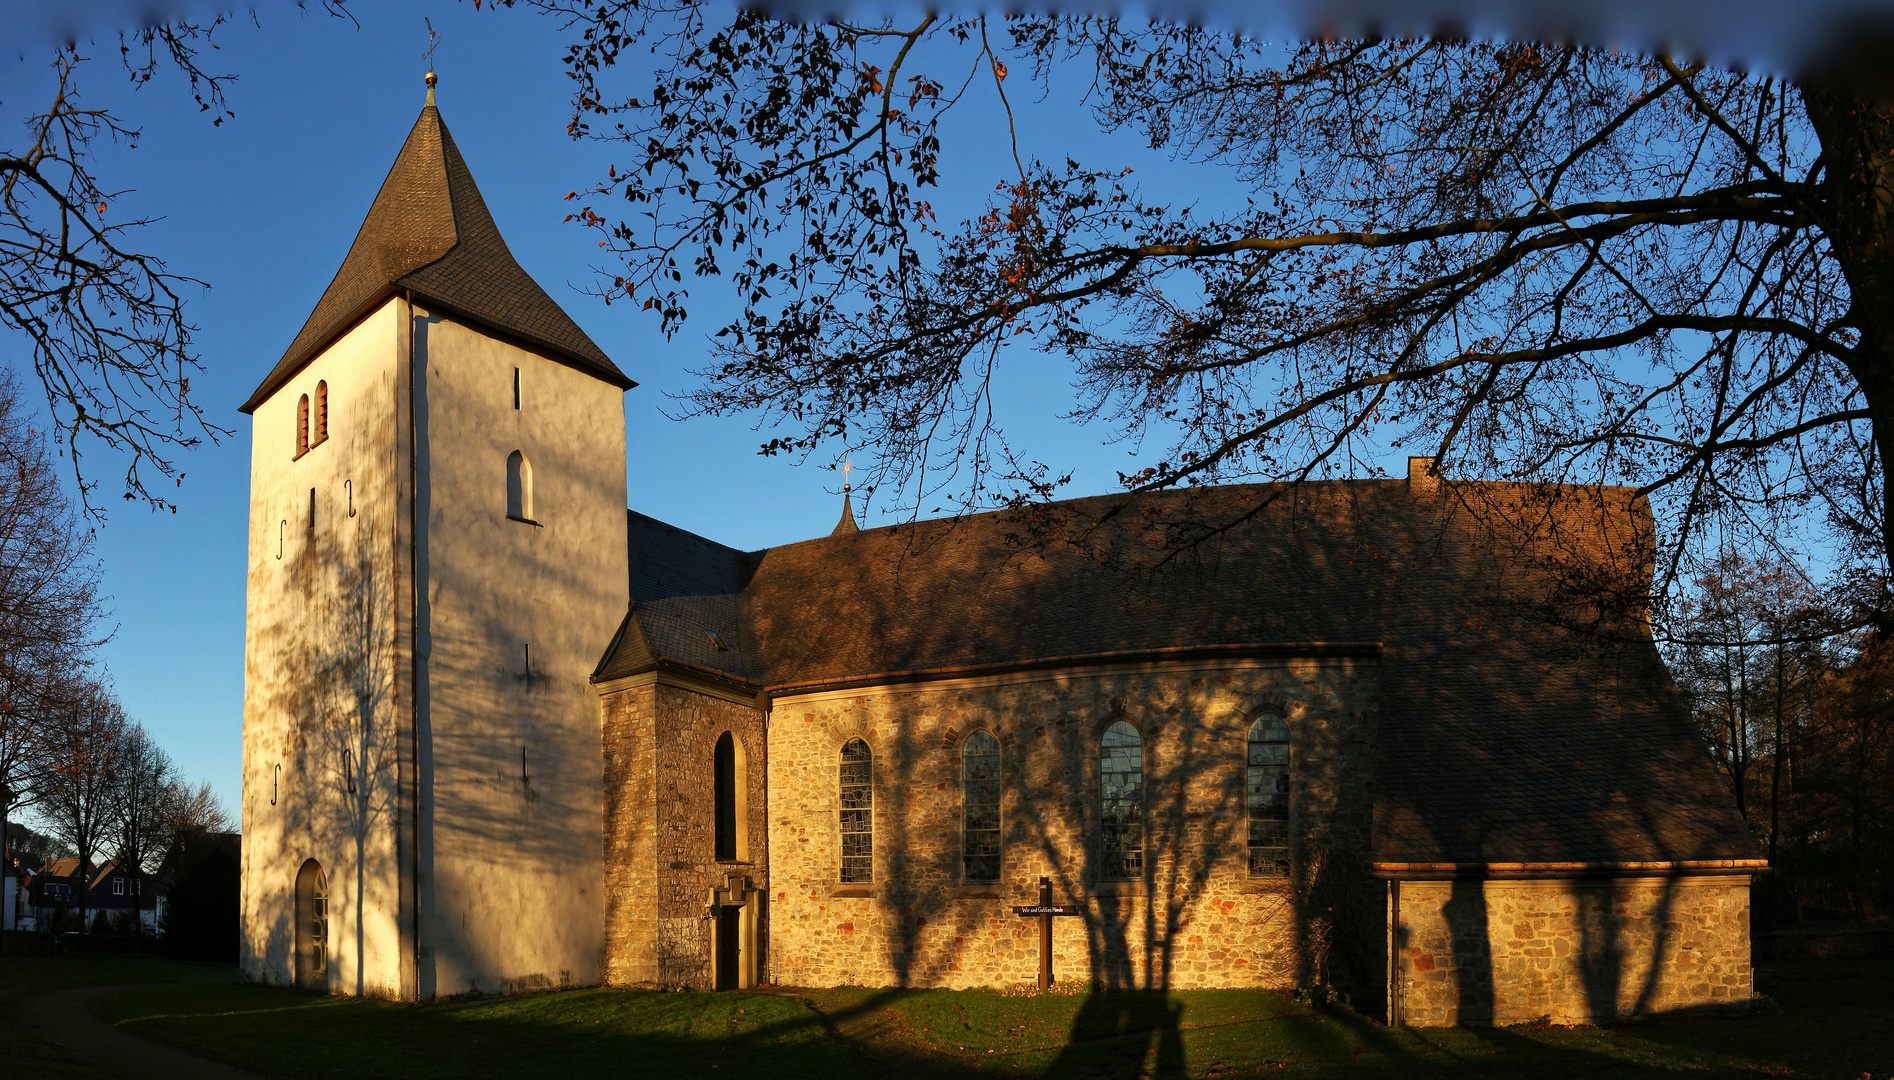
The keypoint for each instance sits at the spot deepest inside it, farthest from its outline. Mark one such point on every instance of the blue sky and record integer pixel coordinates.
(263, 209)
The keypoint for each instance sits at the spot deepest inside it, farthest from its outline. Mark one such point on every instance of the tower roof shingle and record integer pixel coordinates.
(429, 235)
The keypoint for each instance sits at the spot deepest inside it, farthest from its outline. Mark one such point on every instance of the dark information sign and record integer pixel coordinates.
(1048, 909)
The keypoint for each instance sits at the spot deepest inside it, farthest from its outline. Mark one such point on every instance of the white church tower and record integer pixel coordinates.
(437, 551)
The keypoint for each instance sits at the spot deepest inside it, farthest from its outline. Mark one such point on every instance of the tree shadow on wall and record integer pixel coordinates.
(357, 675)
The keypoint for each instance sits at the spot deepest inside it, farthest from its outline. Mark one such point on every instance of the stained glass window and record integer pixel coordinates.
(858, 813)
(1121, 801)
(980, 807)
(1266, 785)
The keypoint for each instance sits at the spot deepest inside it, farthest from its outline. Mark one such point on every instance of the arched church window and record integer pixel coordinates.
(322, 414)
(302, 426)
(858, 813)
(980, 807)
(1266, 789)
(519, 487)
(1121, 801)
(312, 926)
(728, 776)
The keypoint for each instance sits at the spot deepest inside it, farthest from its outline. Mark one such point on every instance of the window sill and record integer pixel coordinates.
(1266, 885)
(978, 892)
(859, 892)
(524, 521)
(1116, 888)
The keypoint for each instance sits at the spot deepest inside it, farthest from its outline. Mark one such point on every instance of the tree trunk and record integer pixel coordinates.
(1854, 118)
(1775, 772)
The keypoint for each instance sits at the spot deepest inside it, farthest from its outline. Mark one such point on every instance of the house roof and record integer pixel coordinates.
(68, 865)
(1506, 734)
(429, 234)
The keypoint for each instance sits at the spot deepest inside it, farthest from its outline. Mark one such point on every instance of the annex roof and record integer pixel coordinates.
(1505, 733)
(429, 234)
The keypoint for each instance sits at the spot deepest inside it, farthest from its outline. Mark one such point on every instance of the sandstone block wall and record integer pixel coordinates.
(1577, 951)
(1194, 919)
(660, 828)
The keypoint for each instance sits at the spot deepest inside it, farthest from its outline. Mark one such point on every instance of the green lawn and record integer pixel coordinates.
(22, 977)
(1830, 1019)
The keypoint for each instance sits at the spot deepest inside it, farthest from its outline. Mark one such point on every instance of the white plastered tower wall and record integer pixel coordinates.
(511, 614)
(439, 646)
(322, 676)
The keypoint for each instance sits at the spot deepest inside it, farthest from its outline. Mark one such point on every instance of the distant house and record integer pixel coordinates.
(111, 890)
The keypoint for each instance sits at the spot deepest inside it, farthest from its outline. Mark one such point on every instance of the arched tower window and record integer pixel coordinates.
(1266, 787)
(312, 927)
(322, 414)
(519, 487)
(302, 426)
(858, 813)
(980, 807)
(1121, 801)
(729, 781)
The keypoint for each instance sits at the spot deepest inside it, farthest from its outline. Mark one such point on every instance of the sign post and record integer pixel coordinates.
(1044, 910)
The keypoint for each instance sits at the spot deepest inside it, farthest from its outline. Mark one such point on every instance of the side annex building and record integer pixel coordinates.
(503, 734)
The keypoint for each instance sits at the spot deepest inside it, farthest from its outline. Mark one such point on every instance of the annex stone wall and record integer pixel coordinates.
(660, 822)
(1574, 951)
(1195, 919)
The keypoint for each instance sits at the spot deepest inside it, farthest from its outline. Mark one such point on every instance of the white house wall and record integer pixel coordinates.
(511, 854)
(320, 667)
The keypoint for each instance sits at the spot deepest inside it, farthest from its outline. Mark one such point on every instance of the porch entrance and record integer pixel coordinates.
(729, 946)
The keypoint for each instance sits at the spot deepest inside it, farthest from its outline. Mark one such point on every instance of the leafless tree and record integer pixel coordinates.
(110, 342)
(1529, 261)
(1743, 656)
(144, 788)
(81, 754)
(194, 810)
(50, 603)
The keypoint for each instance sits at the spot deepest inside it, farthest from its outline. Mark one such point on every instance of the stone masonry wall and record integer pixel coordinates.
(1577, 951)
(660, 823)
(631, 880)
(1195, 919)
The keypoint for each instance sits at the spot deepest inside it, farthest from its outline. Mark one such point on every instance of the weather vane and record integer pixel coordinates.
(433, 42)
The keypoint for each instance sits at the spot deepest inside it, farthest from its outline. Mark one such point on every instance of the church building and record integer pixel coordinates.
(503, 734)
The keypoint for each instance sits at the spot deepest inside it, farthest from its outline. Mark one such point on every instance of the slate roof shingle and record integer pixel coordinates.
(429, 234)
(1504, 737)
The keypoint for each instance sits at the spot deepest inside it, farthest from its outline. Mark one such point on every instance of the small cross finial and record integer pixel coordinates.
(433, 42)
(847, 467)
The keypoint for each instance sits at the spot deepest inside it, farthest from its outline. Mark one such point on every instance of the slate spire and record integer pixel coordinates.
(429, 235)
(847, 524)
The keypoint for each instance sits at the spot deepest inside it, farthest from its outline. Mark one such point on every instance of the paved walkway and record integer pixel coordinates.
(65, 1017)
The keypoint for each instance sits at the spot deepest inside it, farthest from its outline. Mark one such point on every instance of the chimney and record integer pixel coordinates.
(1423, 478)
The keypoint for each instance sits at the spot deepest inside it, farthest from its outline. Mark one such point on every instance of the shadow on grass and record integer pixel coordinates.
(840, 1035)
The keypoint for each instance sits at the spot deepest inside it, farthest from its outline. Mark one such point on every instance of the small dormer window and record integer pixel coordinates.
(302, 426)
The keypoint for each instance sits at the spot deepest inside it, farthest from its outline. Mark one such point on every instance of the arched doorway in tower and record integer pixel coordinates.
(312, 927)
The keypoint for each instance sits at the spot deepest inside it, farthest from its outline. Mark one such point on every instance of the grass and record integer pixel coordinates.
(22, 977)
(1828, 1019)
